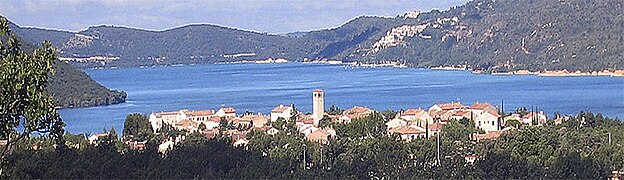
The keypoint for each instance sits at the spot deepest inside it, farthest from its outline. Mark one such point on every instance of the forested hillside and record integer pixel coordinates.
(482, 34)
(532, 34)
(71, 87)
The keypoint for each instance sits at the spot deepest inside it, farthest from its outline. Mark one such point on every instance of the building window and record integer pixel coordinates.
(492, 123)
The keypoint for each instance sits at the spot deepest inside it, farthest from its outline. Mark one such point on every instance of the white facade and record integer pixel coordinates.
(487, 122)
(318, 105)
(282, 111)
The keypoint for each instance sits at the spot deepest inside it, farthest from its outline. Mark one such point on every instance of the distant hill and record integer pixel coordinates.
(482, 34)
(508, 34)
(71, 87)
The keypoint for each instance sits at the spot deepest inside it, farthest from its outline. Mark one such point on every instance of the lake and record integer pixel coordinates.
(260, 87)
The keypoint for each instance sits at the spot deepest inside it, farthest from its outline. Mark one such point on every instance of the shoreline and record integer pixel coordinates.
(397, 64)
(558, 73)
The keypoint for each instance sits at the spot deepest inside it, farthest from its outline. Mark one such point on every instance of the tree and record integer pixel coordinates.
(325, 121)
(24, 103)
(136, 126)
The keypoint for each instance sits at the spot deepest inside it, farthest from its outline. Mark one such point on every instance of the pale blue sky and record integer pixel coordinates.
(272, 16)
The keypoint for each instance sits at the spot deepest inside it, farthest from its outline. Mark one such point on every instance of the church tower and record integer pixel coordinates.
(318, 105)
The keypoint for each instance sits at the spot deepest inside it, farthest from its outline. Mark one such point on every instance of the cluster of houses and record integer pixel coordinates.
(417, 123)
(408, 124)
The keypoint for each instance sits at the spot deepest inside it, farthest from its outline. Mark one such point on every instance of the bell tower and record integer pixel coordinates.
(318, 105)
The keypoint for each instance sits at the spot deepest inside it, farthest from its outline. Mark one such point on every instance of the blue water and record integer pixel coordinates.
(260, 87)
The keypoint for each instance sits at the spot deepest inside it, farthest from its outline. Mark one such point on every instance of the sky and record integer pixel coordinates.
(271, 16)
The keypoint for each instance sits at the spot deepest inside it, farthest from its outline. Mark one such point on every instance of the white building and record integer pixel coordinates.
(487, 121)
(282, 111)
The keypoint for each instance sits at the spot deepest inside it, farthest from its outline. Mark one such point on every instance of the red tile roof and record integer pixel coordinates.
(279, 109)
(228, 109)
(357, 112)
(481, 106)
(436, 126)
(202, 113)
(318, 90)
(320, 136)
(406, 130)
(451, 106)
(412, 112)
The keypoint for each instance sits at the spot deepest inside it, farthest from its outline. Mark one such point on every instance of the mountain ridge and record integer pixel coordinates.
(481, 34)
(70, 87)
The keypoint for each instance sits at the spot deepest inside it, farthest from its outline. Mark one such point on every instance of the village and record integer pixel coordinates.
(409, 124)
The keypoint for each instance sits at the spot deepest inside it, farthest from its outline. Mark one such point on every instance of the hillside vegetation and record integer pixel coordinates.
(482, 34)
(71, 87)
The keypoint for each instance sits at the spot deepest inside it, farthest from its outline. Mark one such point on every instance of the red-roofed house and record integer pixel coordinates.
(355, 113)
(539, 118)
(447, 106)
(282, 111)
(480, 108)
(487, 121)
(226, 112)
(418, 116)
(435, 128)
(396, 122)
(319, 136)
(409, 133)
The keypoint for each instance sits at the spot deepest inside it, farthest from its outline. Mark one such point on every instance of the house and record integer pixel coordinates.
(409, 133)
(187, 125)
(396, 122)
(166, 146)
(136, 145)
(95, 137)
(235, 135)
(211, 133)
(242, 122)
(157, 120)
(480, 108)
(201, 115)
(448, 106)
(460, 114)
(534, 118)
(512, 117)
(434, 129)
(282, 111)
(418, 116)
(355, 112)
(272, 131)
(307, 129)
(227, 112)
(491, 134)
(319, 136)
(488, 121)
(258, 120)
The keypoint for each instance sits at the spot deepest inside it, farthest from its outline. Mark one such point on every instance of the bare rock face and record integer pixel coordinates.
(79, 41)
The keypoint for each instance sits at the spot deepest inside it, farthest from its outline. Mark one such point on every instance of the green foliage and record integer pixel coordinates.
(24, 104)
(372, 126)
(137, 127)
(550, 152)
(325, 122)
(68, 86)
(71, 87)
(334, 110)
(458, 131)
